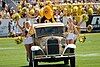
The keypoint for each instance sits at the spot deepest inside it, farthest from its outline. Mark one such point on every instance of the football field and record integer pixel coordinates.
(87, 54)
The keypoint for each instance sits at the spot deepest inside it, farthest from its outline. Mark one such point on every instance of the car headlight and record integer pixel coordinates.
(36, 50)
(63, 41)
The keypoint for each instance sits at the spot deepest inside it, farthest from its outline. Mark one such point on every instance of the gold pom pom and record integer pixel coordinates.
(85, 17)
(82, 39)
(90, 11)
(16, 16)
(31, 12)
(19, 40)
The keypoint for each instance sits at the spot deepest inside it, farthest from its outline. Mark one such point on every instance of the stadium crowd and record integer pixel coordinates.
(34, 9)
(27, 5)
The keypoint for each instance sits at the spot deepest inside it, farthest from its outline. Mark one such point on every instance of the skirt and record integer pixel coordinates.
(71, 36)
(28, 40)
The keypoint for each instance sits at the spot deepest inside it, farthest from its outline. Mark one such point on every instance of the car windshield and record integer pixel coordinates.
(48, 31)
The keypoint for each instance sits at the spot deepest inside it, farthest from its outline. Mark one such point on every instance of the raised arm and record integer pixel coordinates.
(19, 25)
(75, 28)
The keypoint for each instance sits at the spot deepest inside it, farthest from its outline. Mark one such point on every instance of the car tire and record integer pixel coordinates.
(33, 63)
(66, 61)
(72, 62)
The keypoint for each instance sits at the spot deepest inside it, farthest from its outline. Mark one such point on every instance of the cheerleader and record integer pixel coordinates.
(27, 31)
(72, 32)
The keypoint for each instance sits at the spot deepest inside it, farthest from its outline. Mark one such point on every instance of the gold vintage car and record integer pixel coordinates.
(50, 45)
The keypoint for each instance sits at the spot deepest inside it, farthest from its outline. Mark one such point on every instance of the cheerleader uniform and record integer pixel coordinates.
(28, 39)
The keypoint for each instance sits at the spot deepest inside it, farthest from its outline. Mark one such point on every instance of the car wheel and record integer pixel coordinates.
(33, 63)
(72, 62)
(66, 62)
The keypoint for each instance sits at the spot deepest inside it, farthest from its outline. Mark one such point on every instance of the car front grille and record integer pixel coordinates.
(53, 46)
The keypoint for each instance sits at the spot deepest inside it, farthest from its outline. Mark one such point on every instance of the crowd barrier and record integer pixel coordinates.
(4, 27)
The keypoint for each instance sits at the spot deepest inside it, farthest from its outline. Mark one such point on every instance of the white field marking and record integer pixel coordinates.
(90, 64)
(91, 54)
(8, 48)
(92, 34)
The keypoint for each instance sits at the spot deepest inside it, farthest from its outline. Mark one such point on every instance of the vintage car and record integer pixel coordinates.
(50, 45)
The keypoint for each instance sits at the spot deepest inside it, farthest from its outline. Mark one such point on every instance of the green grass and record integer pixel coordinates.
(11, 54)
(87, 54)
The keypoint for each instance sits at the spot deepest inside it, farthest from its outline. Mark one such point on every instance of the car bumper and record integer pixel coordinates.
(53, 58)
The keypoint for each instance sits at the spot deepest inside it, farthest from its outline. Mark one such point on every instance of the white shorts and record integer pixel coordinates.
(71, 36)
(28, 40)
